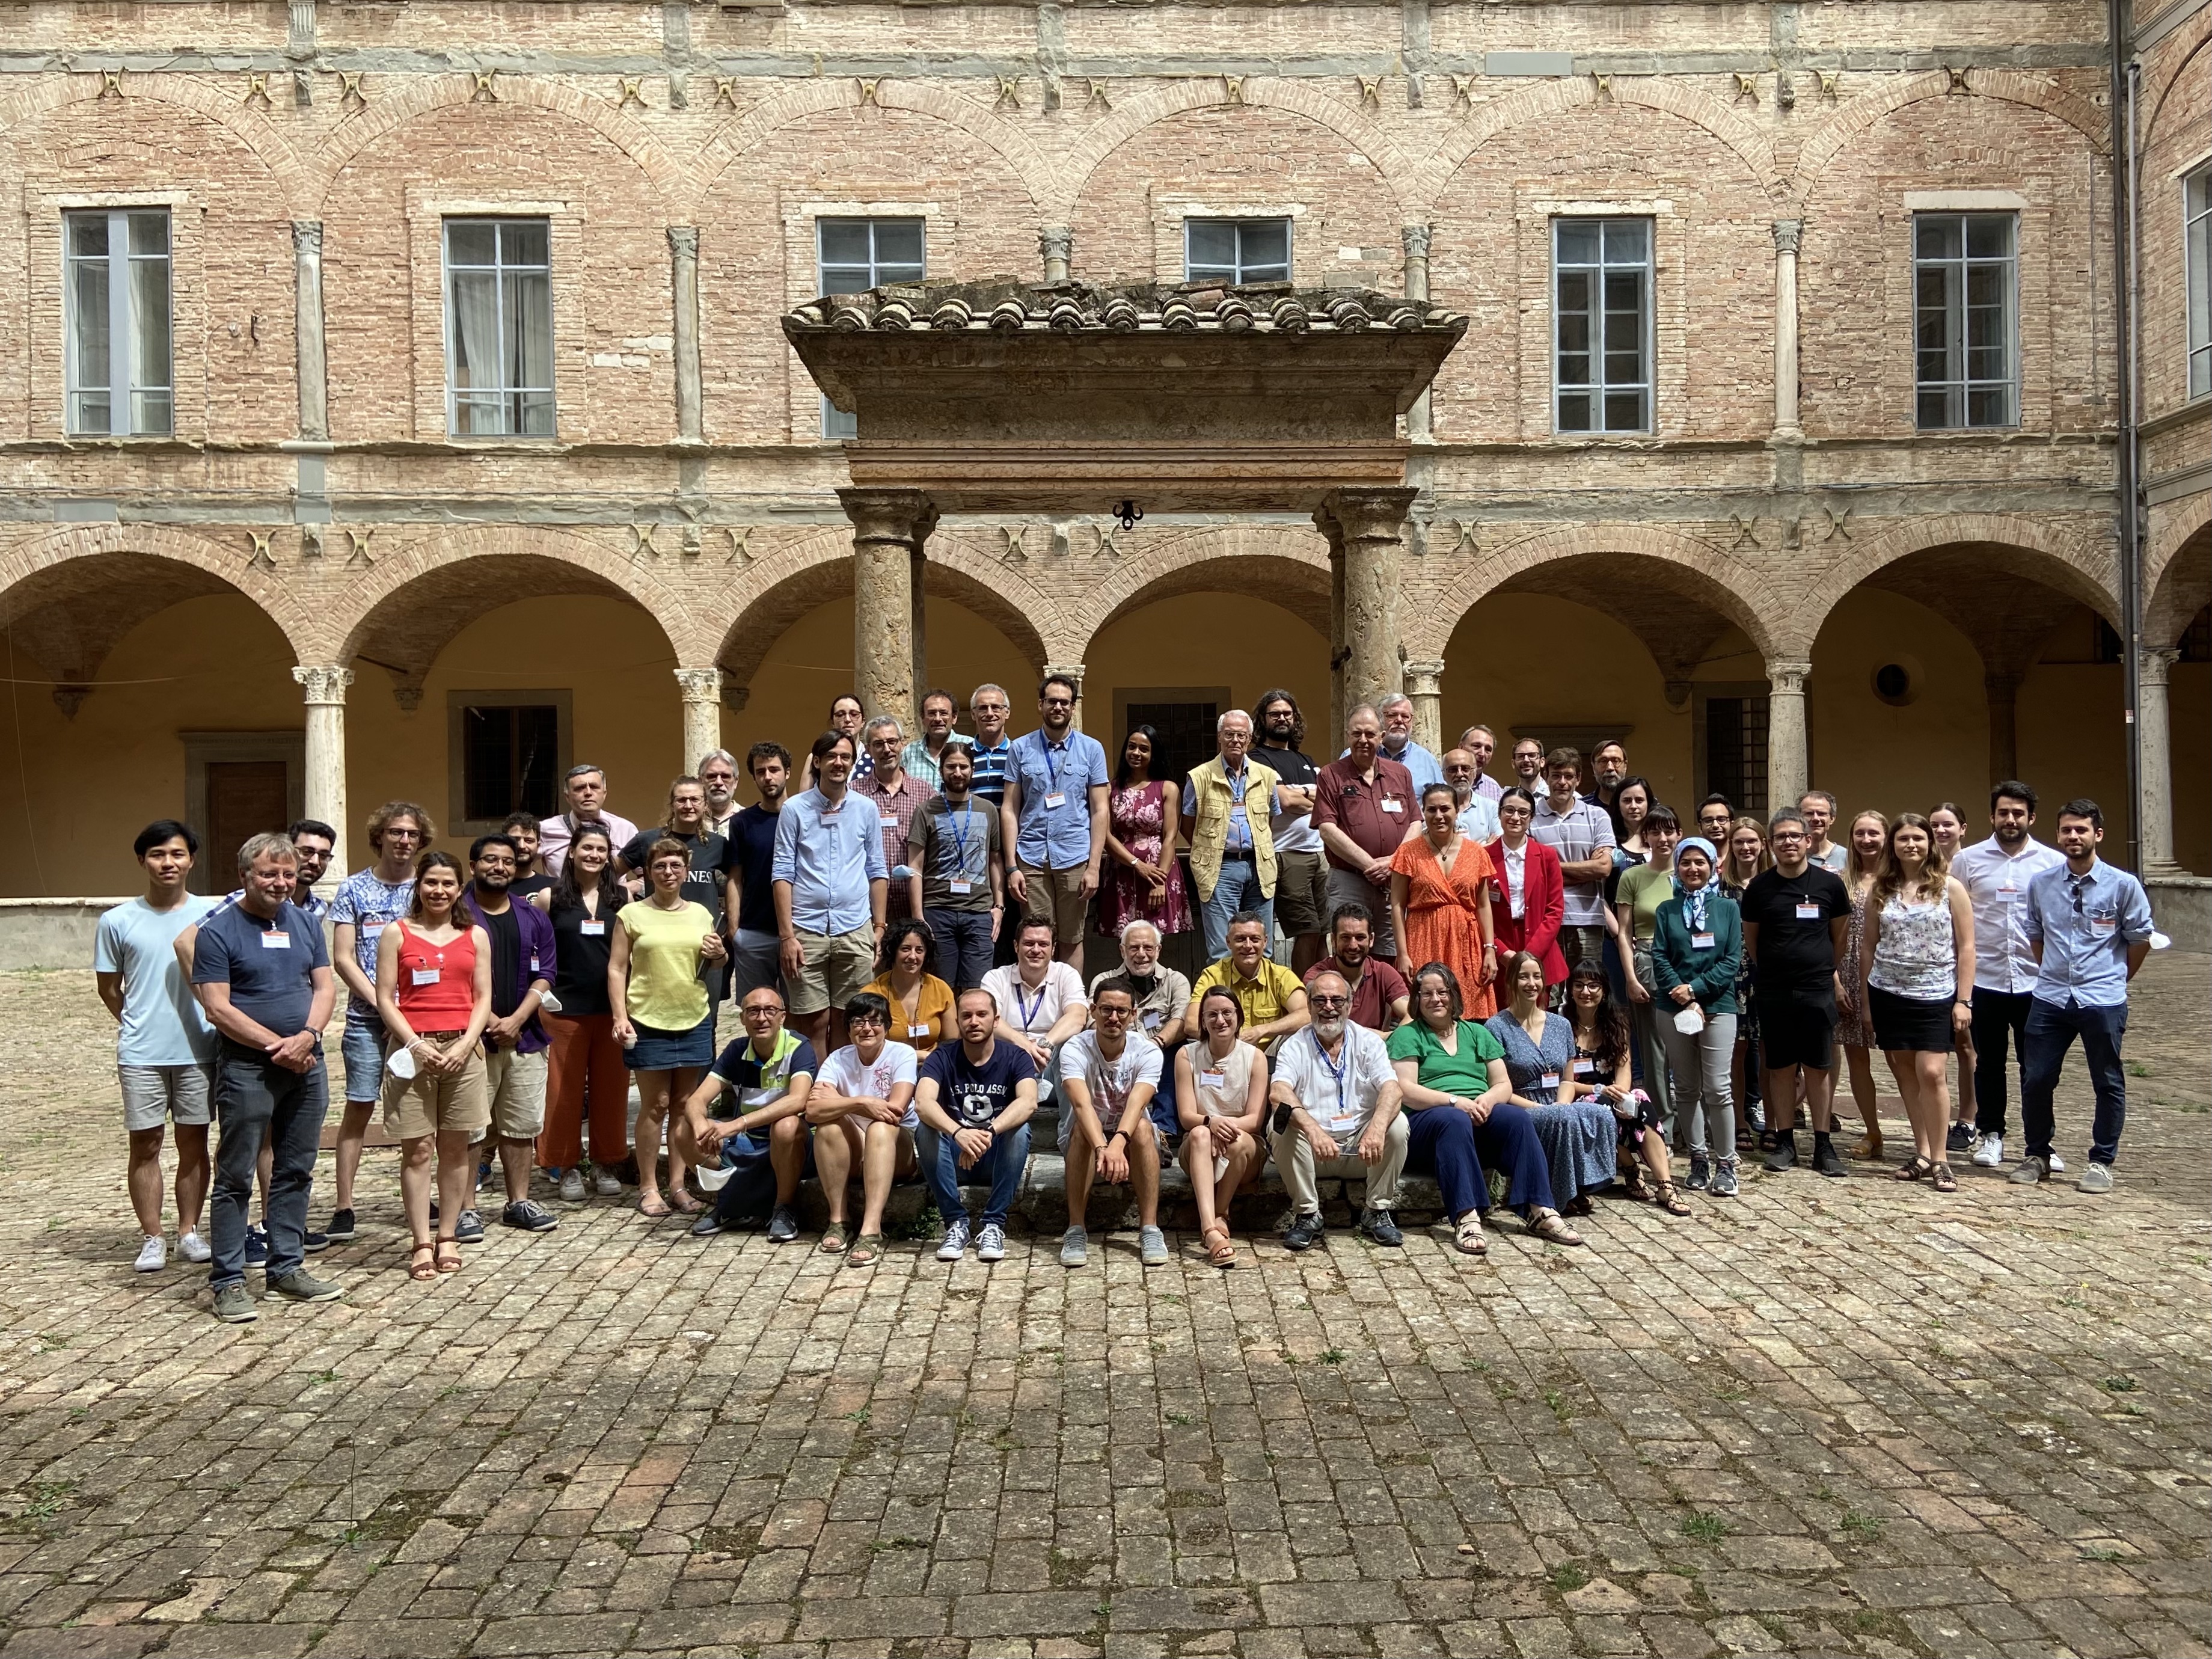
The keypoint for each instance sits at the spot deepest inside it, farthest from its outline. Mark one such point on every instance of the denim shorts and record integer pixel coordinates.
(362, 1049)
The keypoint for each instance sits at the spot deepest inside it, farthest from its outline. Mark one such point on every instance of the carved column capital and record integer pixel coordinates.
(1416, 239)
(684, 241)
(1365, 514)
(2155, 665)
(1786, 233)
(1056, 247)
(307, 239)
(324, 685)
(1068, 671)
(904, 516)
(1424, 678)
(1788, 675)
(700, 685)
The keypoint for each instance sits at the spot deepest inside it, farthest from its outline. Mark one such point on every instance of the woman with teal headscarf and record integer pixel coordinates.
(1696, 948)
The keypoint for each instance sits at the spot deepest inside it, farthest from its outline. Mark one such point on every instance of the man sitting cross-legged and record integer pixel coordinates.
(1107, 1080)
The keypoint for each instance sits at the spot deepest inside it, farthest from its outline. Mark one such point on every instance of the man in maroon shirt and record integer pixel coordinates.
(1380, 995)
(1362, 806)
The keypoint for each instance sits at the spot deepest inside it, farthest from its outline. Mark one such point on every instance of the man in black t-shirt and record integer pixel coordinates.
(1795, 918)
(1301, 870)
(748, 875)
(976, 1098)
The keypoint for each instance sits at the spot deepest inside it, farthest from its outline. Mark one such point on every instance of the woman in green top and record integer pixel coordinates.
(662, 1015)
(1696, 949)
(1640, 893)
(1452, 1079)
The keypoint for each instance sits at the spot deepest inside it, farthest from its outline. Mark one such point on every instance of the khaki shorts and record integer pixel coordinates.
(449, 1102)
(1302, 893)
(517, 1085)
(1056, 897)
(155, 1096)
(837, 968)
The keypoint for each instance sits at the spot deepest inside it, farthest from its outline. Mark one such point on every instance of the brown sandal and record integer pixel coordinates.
(1944, 1180)
(1632, 1183)
(1220, 1250)
(1913, 1168)
(1666, 1198)
(1469, 1235)
(420, 1270)
(448, 1254)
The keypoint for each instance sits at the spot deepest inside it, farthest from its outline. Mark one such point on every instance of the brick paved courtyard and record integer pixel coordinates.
(1824, 1417)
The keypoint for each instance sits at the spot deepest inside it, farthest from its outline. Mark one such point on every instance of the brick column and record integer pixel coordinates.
(1424, 684)
(889, 527)
(307, 331)
(1788, 749)
(324, 793)
(1786, 233)
(2155, 734)
(684, 248)
(703, 711)
(1369, 525)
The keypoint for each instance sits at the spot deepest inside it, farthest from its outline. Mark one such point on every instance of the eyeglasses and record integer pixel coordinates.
(761, 1010)
(1326, 1002)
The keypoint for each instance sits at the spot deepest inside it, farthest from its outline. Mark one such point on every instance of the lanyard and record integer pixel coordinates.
(1051, 771)
(1030, 1010)
(960, 836)
(1337, 1070)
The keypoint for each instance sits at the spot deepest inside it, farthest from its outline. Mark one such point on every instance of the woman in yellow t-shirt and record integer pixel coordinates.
(906, 977)
(662, 1015)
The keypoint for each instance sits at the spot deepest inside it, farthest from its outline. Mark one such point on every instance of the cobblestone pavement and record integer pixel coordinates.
(1824, 1417)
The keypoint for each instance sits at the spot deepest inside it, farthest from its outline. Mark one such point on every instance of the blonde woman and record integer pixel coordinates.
(1948, 824)
(1917, 963)
(1854, 1030)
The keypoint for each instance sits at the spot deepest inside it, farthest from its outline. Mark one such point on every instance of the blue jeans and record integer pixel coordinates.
(963, 946)
(1001, 1166)
(1238, 889)
(2049, 1033)
(255, 1098)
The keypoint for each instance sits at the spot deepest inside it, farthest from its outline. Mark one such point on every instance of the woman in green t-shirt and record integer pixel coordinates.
(1452, 1078)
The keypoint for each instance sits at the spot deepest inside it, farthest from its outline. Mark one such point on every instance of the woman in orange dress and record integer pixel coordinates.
(1440, 902)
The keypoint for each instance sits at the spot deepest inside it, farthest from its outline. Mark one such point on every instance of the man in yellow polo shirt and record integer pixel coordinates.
(1273, 1000)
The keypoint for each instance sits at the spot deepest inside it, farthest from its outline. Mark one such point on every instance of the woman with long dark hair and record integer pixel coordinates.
(1601, 1070)
(906, 979)
(1143, 883)
(584, 1077)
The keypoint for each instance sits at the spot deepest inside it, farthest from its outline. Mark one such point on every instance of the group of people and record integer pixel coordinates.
(1535, 989)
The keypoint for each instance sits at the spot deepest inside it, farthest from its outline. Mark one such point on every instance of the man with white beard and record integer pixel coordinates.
(1335, 1101)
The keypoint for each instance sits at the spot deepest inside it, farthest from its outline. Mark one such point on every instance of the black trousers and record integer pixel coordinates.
(1999, 1016)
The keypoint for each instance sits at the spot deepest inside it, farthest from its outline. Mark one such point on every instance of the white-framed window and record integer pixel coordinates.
(855, 255)
(1966, 320)
(2197, 245)
(1601, 328)
(116, 288)
(499, 328)
(1236, 251)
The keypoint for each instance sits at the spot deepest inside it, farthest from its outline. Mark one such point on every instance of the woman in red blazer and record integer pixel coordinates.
(1543, 890)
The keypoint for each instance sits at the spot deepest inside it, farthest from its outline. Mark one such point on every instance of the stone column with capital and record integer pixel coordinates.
(684, 249)
(1370, 525)
(324, 793)
(1056, 247)
(1416, 241)
(702, 713)
(1425, 685)
(1074, 671)
(1788, 748)
(1786, 233)
(2154, 733)
(890, 529)
(307, 330)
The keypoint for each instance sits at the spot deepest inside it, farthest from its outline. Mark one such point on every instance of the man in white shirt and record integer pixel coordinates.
(861, 1107)
(1042, 1002)
(1997, 873)
(1108, 1076)
(1335, 1101)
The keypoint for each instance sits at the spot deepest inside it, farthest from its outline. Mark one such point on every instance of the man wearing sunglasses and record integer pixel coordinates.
(1336, 1117)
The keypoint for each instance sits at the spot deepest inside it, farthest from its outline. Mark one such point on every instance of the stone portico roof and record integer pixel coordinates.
(1007, 306)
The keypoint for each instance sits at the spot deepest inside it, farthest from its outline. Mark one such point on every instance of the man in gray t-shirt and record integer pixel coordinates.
(953, 848)
(1581, 832)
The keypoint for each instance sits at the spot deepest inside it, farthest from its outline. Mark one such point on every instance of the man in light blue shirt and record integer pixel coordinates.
(2089, 927)
(1478, 815)
(831, 885)
(1055, 819)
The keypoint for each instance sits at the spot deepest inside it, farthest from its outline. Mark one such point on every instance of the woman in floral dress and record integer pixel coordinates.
(1143, 880)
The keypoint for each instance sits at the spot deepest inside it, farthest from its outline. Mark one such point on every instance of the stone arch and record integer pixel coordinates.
(2177, 574)
(417, 98)
(258, 134)
(1532, 104)
(35, 574)
(815, 568)
(1682, 567)
(2201, 26)
(741, 133)
(2012, 86)
(2057, 559)
(1281, 563)
(1391, 164)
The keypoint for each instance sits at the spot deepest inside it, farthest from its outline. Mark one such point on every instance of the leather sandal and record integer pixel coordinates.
(1664, 1195)
(448, 1254)
(1551, 1227)
(1943, 1180)
(1913, 1168)
(1469, 1236)
(1220, 1250)
(423, 1263)
(1632, 1183)
(1869, 1148)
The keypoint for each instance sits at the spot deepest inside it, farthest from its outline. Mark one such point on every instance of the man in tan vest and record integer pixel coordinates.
(1227, 804)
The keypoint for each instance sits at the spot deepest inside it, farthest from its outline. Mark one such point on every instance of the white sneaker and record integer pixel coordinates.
(193, 1248)
(572, 1186)
(2058, 1165)
(1989, 1152)
(607, 1184)
(991, 1243)
(956, 1240)
(153, 1255)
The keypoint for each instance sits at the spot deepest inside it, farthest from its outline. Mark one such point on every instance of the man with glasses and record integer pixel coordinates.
(862, 1110)
(1301, 870)
(1228, 803)
(1714, 817)
(1481, 741)
(1528, 767)
(1997, 874)
(1364, 804)
(717, 773)
(752, 1103)
(1818, 808)
(1055, 819)
(896, 795)
(1336, 1117)
(1478, 813)
(522, 972)
(1108, 1077)
(1795, 917)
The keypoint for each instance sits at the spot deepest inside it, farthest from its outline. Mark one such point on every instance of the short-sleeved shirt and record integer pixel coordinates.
(703, 874)
(163, 1024)
(829, 852)
(954, 847)
(1157, 1004)
(268, 965)
(1294, 831)
(314, 904)
(1792, 913)
(1576, 833)
(976, 1096)
(1478, 819)
(920, 1033)
(1034, 1013)
(553, 836)
(749, 853)
(664, 990)
(1377, 993)
(1056, 836)
(371, 904)
(1375, 815)
(895, 814)
(1341, 1093)
(751, 1082)
(991, 760)
(1265, 996)
(1108, 1082)
(846, 1073)
(1466, 1073)
(1646, 887)
(1836, 858)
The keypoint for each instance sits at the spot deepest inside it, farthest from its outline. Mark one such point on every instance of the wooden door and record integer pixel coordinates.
(245, 798)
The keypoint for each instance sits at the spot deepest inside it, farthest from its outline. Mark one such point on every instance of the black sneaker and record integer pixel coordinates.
(341, 1229)
(257, 1245)
(710, 1222)
(1825, 1159)
(1305, 1231)
(469, 1230)
(314, 1242)
(1378, 1226)
(1960, 1139)
(529, 1215)
(1701, 1173)
(1784, 1154)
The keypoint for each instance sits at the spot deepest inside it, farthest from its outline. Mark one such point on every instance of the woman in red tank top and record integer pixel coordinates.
(433, 987)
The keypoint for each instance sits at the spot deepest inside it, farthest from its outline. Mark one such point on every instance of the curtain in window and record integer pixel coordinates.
(475, 350)
(530, 349)
(149, 345)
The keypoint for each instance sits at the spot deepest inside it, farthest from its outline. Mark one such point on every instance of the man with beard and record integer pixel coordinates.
(1055, 819)
(515, 1042)
(1362, 807)
(1336, 1117)
(748, 875)
(1997, 874)
(1380, 994)
(718, 771)
(1301, 870)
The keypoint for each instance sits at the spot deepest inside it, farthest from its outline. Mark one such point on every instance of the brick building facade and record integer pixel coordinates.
(1859, 481)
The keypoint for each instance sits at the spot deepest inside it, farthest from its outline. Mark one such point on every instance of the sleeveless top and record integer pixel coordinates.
(437, 982)
(1224, 1087)
(1914, 956)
